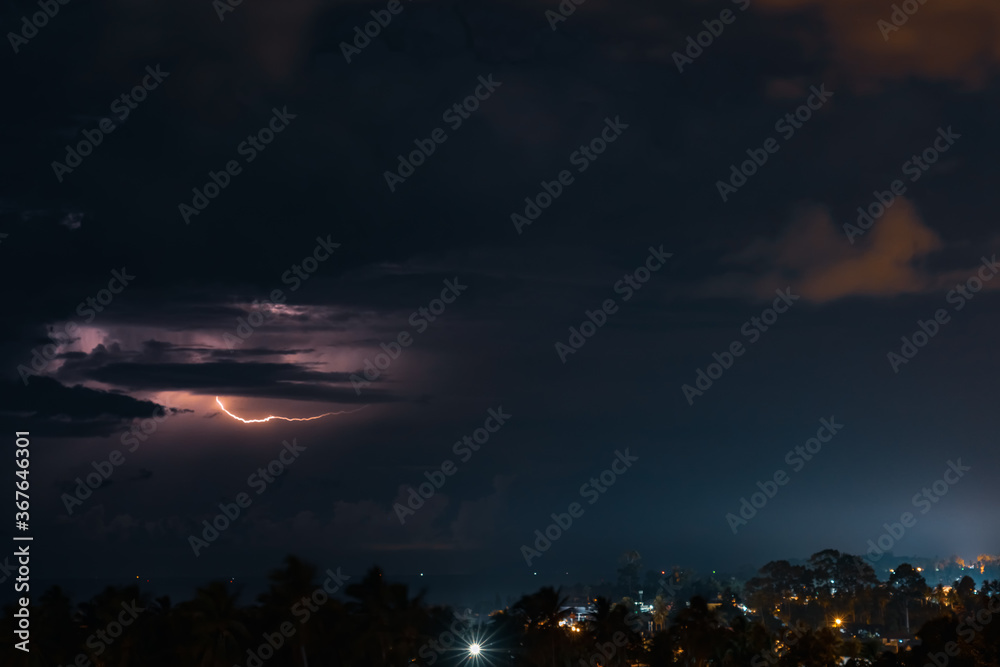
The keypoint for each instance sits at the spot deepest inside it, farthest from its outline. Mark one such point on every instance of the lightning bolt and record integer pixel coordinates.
(287, 419)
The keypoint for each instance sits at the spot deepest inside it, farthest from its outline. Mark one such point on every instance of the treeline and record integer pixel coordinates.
(789, 615)
(836, 585)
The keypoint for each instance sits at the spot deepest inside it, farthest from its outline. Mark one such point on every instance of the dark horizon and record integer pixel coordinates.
(833, 608)
(474, 589)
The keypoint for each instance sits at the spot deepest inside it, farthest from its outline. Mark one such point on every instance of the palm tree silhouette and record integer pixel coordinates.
(542, 613)
(289, 585)
(698, 633)
(390, 625)
(218, 626)
(608, 620)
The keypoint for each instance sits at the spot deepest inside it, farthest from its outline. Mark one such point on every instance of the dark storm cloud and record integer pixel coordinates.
(529, 99)
(45, 397)
(49, 407)
(159, 350)
(163, 366)
(210, 375)
(249, 352)
(265, 380)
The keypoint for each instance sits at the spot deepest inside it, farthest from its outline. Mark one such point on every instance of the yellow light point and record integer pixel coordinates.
(287, 419)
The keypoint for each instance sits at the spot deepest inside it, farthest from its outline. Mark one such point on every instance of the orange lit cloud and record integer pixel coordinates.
(955, 40)
(815, 258)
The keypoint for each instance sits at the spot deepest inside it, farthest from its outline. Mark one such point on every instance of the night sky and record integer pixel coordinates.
(266, 174)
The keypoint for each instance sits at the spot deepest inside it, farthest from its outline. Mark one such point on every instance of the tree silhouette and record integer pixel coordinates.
(606, 622)
(374, 623)
(219, 633)
(542, 612)
(697, 634)
(288, 587)
(908, 588)
(814, 648)
(390, 623)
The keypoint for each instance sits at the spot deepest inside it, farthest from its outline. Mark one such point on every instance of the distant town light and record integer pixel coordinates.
(474, 649)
